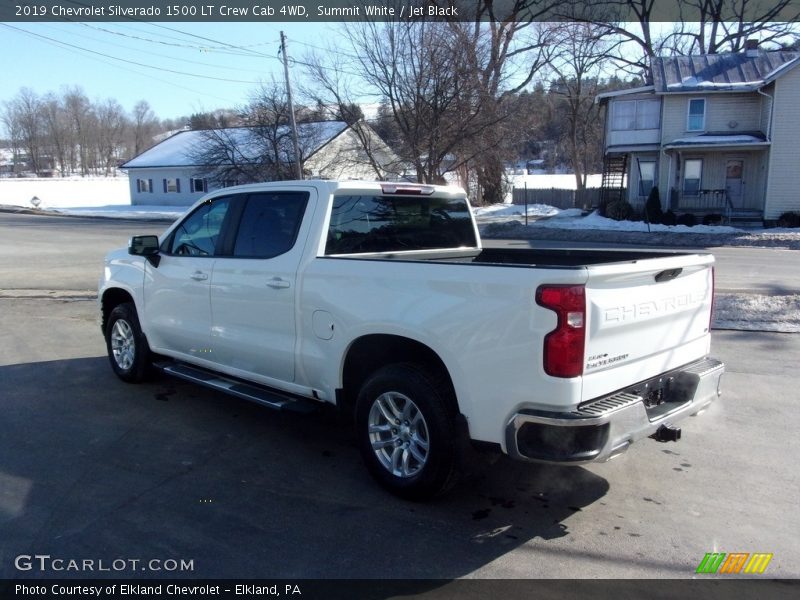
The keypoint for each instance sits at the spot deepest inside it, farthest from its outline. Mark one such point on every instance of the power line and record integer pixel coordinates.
(131, 62)
(154, 41)
(186, 60)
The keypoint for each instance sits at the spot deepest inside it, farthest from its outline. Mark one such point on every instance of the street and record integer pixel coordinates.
(93, 468)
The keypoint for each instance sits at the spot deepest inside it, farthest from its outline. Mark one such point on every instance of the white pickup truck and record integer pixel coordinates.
(379, 298)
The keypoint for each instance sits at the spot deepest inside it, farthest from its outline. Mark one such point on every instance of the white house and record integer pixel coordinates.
(168, 174)
(715, 133)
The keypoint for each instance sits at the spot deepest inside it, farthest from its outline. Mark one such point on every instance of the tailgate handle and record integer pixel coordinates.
(668, 275)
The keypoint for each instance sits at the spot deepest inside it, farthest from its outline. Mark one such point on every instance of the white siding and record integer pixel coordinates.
(725, 113)
(783, 188)
(158, 197)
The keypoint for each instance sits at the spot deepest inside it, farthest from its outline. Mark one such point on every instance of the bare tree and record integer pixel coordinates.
(23, 113)
(81, 116)
(703, 26)
(443, 85)
(111, 126)
(57, 131)
(13, 130)
(261, 149)
(505, 52)
(418, 71)
(144, 126)
(335, 91)
(582, 49)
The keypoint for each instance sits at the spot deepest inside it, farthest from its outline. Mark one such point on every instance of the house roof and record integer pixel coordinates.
(729, 72)
(180, 149)
(615, 93)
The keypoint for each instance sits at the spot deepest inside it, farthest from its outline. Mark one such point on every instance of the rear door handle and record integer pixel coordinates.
(199, 276)
(276, 283)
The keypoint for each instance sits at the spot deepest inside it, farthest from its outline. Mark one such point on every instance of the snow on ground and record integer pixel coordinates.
(58, 192)
(513, 210)
(572, 219)
(81, 196)
(757, 312)
(563, 181)
(568, 225)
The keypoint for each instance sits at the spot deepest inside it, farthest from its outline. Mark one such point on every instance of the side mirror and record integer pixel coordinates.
(145, 245)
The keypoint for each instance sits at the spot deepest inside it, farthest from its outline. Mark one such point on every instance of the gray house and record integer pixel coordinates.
(169, 173)
(715, 133)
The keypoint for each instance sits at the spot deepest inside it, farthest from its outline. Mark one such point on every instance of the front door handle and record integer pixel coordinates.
(199, 276)
(276, 283)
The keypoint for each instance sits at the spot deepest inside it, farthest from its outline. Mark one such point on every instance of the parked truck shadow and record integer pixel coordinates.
(92, 468)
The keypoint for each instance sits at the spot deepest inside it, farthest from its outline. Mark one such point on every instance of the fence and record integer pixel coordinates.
(560, 198)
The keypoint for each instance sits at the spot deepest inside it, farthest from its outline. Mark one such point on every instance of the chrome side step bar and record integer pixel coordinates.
(247, 391)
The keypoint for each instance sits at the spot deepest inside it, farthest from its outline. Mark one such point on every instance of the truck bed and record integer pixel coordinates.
(528, 257)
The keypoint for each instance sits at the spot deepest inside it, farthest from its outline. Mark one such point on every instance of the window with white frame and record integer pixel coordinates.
(696, 118)
(648, 114)
(144, 186)
(692, 175)
(635, 114)
(172, 186)
(647, 176)
(198, 185)
(230, 183)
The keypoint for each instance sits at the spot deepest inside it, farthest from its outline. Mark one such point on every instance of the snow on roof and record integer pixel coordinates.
(180, 150)
(721, 140)
(731, 71)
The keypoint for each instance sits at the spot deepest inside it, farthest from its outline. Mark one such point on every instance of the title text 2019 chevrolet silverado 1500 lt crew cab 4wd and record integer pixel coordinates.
(380, 299)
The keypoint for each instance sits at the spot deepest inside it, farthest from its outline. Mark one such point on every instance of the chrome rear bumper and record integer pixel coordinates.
(604, 427)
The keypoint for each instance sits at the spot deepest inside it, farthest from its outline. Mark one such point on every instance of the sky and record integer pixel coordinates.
(182, 68)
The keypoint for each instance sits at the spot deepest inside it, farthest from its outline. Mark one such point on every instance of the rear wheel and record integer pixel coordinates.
(127, 347)
(406, 432)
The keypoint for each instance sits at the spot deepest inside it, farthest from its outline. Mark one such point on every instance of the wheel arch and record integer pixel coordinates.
(368, 353)
(113, 297)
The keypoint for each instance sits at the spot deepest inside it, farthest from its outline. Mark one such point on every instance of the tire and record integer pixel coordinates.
(406, 431)
(127, 347)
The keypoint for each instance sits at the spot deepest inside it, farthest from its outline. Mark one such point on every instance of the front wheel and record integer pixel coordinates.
(127, 346)
(406, 431)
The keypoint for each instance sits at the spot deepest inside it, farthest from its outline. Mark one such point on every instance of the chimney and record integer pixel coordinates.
(751, 48)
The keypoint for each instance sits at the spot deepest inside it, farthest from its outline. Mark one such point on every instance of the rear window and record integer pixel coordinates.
(395, 223)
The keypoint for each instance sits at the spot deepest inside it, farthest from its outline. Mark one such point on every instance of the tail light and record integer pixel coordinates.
(713, 299)
(564, 346)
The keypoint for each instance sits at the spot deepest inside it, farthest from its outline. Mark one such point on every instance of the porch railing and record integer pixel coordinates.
(705, 201)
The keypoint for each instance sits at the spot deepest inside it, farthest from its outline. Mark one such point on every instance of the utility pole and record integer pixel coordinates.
(297, 158)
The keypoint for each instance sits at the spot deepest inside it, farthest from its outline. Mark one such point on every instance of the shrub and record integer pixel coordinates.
(687, 219)
(789, 219)
(712, 219)
(652, 208)
(619, 210)
(669, 218)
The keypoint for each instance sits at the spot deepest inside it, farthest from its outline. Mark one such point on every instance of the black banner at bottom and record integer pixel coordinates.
(365, 589)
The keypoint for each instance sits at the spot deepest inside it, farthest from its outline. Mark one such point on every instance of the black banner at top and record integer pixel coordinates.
(388, 10)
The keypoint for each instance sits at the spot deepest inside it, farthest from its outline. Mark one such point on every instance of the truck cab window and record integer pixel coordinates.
(269, 224)
(394, 223)
(198, 234)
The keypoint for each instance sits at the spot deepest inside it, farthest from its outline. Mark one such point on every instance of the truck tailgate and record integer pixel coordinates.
(644, 318)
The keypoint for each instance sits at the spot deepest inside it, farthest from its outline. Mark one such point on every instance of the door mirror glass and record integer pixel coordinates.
(143, 245)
